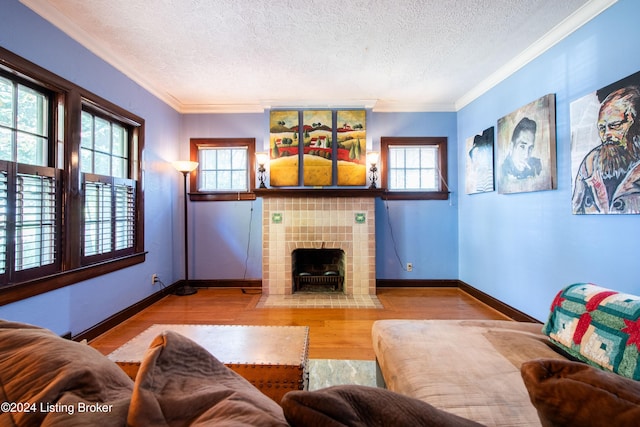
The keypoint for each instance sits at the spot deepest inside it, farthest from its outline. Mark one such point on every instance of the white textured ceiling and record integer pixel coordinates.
(247, 55)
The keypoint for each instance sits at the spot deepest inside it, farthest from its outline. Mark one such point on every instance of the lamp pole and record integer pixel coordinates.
(186, 288)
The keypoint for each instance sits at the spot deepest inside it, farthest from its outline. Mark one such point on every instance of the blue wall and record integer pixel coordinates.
(421, 232)
(522, 248)
(78, 307)
(228, 242)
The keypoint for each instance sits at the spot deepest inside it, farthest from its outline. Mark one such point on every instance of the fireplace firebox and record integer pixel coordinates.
(318, 270)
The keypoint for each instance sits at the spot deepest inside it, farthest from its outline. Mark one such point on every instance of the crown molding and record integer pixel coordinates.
(48, 12)
(412, 107)
(576, 20)
(583, 15)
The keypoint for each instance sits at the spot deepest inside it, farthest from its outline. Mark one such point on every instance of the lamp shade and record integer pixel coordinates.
(262, 158)
(372, 157)
(185, 165)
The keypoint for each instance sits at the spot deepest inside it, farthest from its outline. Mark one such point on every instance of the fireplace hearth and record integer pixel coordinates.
(318, 270)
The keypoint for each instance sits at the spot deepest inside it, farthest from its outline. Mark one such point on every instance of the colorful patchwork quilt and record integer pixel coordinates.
(598, 326)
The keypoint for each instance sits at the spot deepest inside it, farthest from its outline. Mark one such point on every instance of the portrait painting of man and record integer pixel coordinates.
(605, 149)
(527, 148)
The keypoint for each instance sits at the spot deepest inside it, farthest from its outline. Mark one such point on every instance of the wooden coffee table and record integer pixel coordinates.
(273, 358)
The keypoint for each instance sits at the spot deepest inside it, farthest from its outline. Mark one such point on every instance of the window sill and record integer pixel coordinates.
(19, 291)
(221, 197)
(319, 192)
(415, 195)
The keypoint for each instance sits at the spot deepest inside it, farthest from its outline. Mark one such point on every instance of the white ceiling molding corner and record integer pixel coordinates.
(78, 19)
(580, 17)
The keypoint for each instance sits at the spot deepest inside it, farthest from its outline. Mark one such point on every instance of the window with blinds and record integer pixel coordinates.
(30, 198)
(109, 197)
(69, 211)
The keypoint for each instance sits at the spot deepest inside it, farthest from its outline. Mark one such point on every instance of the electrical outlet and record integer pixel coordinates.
(154, 279)
(409, 266)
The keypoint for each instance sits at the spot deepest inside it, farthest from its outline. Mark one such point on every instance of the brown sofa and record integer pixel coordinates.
(49, 381)
(475, 368)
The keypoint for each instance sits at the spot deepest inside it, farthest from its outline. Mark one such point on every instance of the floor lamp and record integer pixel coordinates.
(185, 167)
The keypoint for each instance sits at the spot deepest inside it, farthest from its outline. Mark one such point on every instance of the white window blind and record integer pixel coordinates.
(109, 221)
(97, 218)
(3, 221)
(124, 215)
(35, 221)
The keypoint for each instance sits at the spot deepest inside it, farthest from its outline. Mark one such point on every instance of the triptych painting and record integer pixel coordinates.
(333, 142)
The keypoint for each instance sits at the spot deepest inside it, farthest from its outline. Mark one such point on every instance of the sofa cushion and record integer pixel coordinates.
(467, 367)
(65, 380)
(361, 406)
(570, 394)
(181, 383)
(598, 326)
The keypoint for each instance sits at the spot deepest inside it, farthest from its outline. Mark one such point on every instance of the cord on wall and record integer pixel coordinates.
(393, 239)
(246, 260)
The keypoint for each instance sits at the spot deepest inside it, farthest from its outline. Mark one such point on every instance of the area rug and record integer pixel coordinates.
(317, 300)
(329, 372)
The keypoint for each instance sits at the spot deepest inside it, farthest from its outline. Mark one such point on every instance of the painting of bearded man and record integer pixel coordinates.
(607, 180)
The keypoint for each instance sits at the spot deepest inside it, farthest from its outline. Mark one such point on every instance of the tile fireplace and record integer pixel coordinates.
(340, 223)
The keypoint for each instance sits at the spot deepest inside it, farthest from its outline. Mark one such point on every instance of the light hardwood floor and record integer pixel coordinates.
(333, 333)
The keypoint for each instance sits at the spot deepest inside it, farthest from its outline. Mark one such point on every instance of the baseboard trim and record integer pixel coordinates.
(416, 283)
(487, 299)
(227, 283)
(134, 309)
(123, 315)
(496, 304)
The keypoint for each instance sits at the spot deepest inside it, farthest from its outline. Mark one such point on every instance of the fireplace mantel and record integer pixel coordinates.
(319, 192)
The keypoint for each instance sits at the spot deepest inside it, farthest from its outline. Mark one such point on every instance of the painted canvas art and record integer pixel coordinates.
(605, 149)
(527, 148)
(479, 166)
(283, 143)
(317, 135)
(351, 147)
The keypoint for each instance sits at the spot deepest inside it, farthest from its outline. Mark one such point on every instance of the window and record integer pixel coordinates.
(414, 167)
(31, 206)
(71, 203)
(30, 220)
(225, 169)
(109, 196)
(103, 147)
(24, 123)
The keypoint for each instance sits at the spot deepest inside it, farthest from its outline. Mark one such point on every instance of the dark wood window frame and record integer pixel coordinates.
(68, 101)
(197, 144)
(389, 141)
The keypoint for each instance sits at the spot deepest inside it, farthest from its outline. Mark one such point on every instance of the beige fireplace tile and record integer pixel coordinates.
(312, 223)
